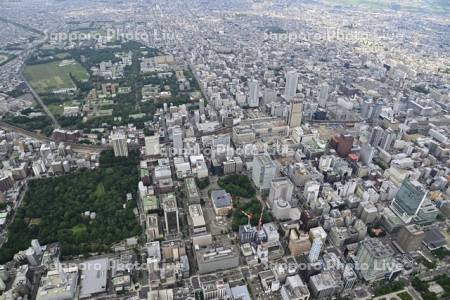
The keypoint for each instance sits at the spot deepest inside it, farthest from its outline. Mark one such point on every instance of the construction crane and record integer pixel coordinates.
(249, 216)
(261, 215)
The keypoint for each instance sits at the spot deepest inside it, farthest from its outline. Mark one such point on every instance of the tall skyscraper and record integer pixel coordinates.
(269, 96)
(295, 112)
(177, 138)
(366, 154)
(119, 143)
(264, 170)
(323, 94)
(291, 84)
(253, 98)
(371, 109)
(201, 106)
(152, 145)
(169, 204)
(314, 253)
(388, 138)
(408, 200)
(376, 135)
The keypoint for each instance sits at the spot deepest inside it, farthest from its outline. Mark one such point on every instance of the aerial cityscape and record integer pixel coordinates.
(235, 150)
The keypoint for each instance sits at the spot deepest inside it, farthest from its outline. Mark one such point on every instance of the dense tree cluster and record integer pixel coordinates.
(444, 282)
(441, 253)
(42, 123)
(389, 288)
(237, 185)
(252, 208)
(422, 288)
(202, 183)
(53, 209)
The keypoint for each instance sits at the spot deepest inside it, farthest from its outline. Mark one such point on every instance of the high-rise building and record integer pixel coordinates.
(119, 143)
(247, 233)
(169, 204)
(152, 145)
(269, 96)
(253, 98)
(177, 138)
(388, 138)
(343, 144)
(295, 113)
(201, 106)
(427, 213)
(314, 253)
(291, 84)
(375, 260)
(408, 200)
(371, 109)
(376, 135)
(366, 154)
(381, 138)
(323, 95)
(280, 188)
(264, 170)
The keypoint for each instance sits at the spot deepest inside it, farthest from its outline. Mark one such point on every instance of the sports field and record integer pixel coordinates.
(3, 58)
(55, 76)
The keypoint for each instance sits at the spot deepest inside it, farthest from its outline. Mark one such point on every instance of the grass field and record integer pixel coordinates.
(3, 58)
(54, 76)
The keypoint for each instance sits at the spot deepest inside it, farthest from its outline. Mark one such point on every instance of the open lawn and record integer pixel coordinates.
(54, 76)
(3, 58)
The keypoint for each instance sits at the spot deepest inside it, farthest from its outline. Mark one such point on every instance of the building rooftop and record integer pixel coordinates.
(221, 198)
(191, 187)
(94, 277)
(169, 201)
(434, 239)
(377, 248)
(58, 284)
(196, 214)
(150, 203)
(264, 160)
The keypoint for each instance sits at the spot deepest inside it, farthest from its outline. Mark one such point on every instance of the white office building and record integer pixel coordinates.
(152, 145)
(295, 112)
(177, 138)
(280, 188)
(119, 143)
(264, 170)
(253, 99)
(291, 84)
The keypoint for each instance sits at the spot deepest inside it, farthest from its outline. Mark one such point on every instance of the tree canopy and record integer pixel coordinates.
(237, 185)
(253, 208)
(53, 209)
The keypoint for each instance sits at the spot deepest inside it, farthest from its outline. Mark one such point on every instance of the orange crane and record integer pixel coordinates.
(261, 215)
(249, 216)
